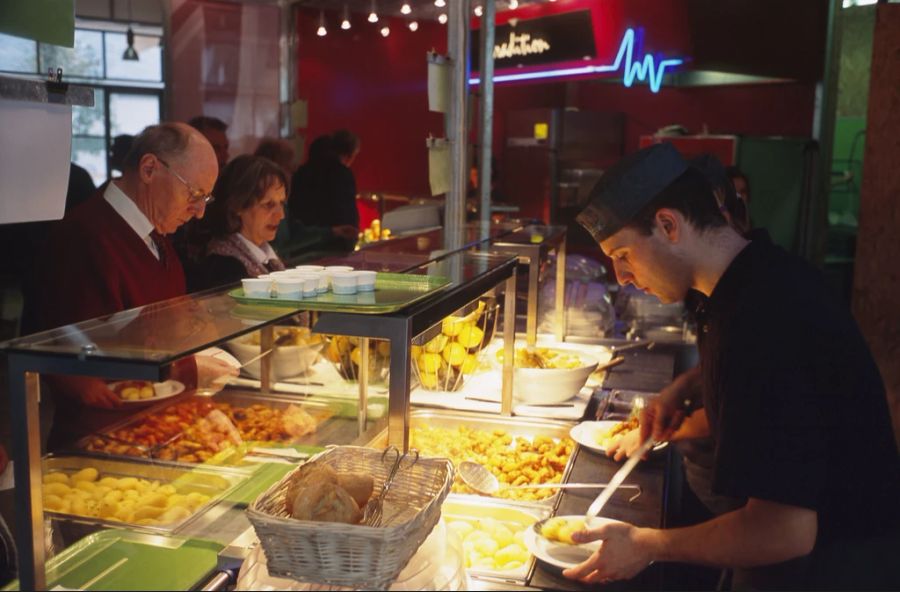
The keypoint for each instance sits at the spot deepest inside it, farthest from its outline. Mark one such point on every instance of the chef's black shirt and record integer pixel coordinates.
(795, 403)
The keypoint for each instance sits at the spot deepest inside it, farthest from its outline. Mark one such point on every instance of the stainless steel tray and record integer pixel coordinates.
(330, 430)
(217, 483)
(515, 426)
(474, 508)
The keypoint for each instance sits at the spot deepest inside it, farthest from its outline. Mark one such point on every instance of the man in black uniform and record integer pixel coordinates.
(792, 398)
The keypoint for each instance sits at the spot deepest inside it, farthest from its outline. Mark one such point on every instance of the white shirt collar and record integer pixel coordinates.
(260, 254)
(125, 207)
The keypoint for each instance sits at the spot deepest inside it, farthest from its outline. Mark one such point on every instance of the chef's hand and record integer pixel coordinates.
(662, 416)
(213, 373)
(621, 556)
(624, 445)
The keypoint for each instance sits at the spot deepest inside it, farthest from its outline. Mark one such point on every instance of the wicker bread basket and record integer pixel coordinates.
(348, 554)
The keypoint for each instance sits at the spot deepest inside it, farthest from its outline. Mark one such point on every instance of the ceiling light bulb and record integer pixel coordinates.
(513, 4)
(440, 3)
(321, 31)
(405, 9)
(373, 14)
(442, 19)
(345, 24)
(413, 26)
(385, 31)
(478, 11)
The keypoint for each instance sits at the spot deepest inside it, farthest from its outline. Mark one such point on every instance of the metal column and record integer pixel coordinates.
(509, 342)
(458, 47)
(486, 72)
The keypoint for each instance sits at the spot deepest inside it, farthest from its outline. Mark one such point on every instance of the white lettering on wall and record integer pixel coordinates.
(520, 45)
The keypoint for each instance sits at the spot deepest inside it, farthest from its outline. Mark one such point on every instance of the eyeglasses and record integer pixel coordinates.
(197, 197)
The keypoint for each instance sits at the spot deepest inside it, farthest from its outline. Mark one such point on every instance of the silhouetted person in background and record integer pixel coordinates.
(215, 131)
(323, 191)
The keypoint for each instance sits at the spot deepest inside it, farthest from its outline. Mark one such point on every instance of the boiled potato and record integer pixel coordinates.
(147, 512)
(57, 489)
(174, 514)
(147, 392)
(52, 502)
(86, 474)
(126, 483)
(87, 486)
(56, 478)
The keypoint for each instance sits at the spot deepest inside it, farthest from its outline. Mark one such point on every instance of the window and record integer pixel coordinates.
(127, 94)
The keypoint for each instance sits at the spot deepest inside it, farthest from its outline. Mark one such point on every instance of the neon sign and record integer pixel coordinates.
(520, 45)
(649, 68)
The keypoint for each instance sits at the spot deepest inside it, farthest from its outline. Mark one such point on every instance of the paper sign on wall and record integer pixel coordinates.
(438, 83)
(438, 165)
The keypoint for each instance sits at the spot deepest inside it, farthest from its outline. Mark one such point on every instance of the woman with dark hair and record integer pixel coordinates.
(250, 197)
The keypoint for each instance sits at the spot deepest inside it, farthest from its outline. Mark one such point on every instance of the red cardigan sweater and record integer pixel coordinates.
(96, 264)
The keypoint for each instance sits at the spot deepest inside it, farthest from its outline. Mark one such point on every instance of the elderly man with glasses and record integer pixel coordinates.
(111, 254)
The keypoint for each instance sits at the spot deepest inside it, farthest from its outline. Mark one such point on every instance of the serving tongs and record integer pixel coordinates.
(374, 512)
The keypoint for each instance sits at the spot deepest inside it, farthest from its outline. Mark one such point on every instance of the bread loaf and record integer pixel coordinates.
(308, 474)
(358, 485)
(324, 501)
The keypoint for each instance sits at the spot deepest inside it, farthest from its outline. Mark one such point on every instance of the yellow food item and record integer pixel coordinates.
(514, 461)
(85, 474)
(454, 354)
(429, 380)
(542, 357)
(606, 438)
(489, 544)
(437, 344)
(128, 499)
(147, 392)
(430, 363)
(470, 336)
(451, 326)
(562, 529)
(469, 365)
(56, 478)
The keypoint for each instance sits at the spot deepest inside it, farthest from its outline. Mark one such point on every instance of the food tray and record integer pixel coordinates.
(467, 508)
(323, 412)
(125, 560)
(215, 483)
(393, 292)
(515, 426)
(355, 555)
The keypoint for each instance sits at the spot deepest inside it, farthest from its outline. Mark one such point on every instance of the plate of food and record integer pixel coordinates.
(143, 392)
(598, 435)
(551, 540)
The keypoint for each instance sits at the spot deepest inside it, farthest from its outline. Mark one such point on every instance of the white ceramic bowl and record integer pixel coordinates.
(552, 385)
(286, 360)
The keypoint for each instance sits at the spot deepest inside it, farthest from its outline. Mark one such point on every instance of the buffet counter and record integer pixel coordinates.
(173, 482)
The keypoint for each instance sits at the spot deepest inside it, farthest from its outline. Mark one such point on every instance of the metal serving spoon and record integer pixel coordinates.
(479, 478)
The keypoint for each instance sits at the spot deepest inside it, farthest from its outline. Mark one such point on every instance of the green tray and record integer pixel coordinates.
(393, 292)
(124, 560)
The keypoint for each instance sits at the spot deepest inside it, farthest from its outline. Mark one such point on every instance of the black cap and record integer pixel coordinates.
(629, 186)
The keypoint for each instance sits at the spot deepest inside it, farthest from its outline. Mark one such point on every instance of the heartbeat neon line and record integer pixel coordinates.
(644, 69)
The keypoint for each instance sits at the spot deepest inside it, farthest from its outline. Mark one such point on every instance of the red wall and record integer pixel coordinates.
(376, 87)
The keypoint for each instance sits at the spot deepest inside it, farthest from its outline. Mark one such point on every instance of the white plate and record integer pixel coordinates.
(162, 390)
(562, 555)
(588, 433)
